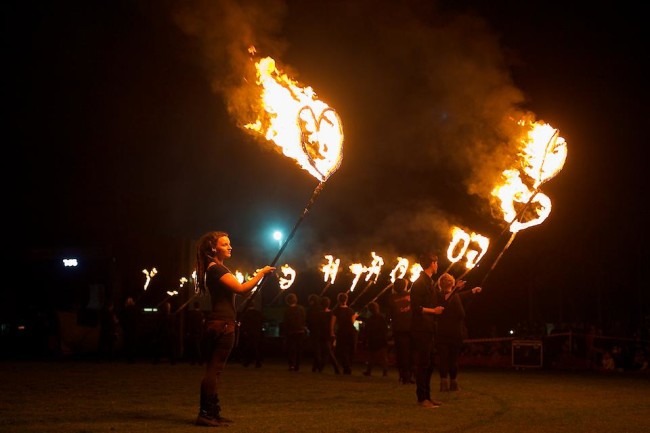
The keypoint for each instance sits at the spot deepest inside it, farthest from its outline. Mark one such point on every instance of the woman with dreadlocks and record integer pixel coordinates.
(213, 277)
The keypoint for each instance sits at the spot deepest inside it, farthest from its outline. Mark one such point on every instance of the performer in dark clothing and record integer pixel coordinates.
(194, 335)
(108, 331)
(343, 318)
(214, 277)
(325, 337)
(399, 315)
(294, 322)
(251, 335)
(375, 339)
(129, 319)
(450, 330)
(311, 321)
(165, 338)
(424, 307)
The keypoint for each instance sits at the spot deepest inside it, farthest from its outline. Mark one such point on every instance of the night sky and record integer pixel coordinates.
(123, 121)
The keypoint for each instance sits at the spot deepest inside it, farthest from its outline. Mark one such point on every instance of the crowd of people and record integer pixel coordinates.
(422, 323)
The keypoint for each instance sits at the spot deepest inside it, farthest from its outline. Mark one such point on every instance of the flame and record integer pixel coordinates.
(542, 157)
(304, 127)
(416, 270)
(375, 267)
(239, 277)
(399, 270)
(330, 269)
(149, 275)
(473, 256)
(357, 269)
(462, 238)
(457, 235)
(290, 275)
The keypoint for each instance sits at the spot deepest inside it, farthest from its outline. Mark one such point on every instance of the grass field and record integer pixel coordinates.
(92, 397)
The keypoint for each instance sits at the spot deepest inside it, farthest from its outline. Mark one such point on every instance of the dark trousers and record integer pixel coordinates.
(345, 352)
(448, 354)
(294, 349)
(423, 352)
(324, 354)
(403, 355)
(219, 340)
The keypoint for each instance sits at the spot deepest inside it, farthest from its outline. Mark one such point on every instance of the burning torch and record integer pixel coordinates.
(305, 128)
(522, 203)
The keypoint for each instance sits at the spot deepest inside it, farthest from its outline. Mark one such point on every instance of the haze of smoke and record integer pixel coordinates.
(437, 82)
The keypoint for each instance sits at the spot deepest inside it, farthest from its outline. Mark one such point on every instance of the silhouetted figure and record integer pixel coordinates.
(129, 319)
(165, 339)
(375, 340)
(311, 321)
(451, 329)
(194, 334)
(424, 308)
(294, 325)
(399, 314)
(108, 331)
(251, 336)
(343, 318)
(325, 337)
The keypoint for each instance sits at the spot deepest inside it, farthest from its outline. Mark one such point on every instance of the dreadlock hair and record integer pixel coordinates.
(206, 248)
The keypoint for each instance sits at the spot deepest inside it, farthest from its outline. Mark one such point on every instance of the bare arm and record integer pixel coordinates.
(436, 310)
(229, 280)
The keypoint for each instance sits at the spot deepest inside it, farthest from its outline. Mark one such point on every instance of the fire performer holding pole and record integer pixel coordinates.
(424, 309)
(213, 277)
(451, 329)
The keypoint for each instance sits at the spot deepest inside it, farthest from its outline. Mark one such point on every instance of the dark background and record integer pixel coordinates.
(120, 148)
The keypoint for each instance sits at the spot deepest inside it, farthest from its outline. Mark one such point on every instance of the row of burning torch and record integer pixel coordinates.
(310, 132)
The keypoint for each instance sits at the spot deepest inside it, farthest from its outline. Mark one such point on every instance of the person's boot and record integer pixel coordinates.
(453, 385)
(444, 385)
(210, 412)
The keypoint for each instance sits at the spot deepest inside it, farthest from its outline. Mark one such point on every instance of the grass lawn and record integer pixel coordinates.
(93, 397)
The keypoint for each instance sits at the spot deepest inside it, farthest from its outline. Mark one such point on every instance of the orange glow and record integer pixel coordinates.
(542, 156)
(459, 247)
(416, 270)
(330, 269)
(289, 277)
(375, 267)
(357, 269)
(399, 270)
(305, 128)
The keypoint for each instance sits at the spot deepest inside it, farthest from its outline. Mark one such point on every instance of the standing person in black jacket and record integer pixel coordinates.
(312, 313)
(450, 331)
(294, 329)
(424, 309)
(325, 337)
(399, 314)
(343, 318)
(194, 334)
(251, 336)
(129, 319)
(375, 339)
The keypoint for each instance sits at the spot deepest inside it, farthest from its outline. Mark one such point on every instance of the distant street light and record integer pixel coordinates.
(277, 235)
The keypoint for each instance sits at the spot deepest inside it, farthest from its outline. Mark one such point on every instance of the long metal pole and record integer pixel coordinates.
(305, 211)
